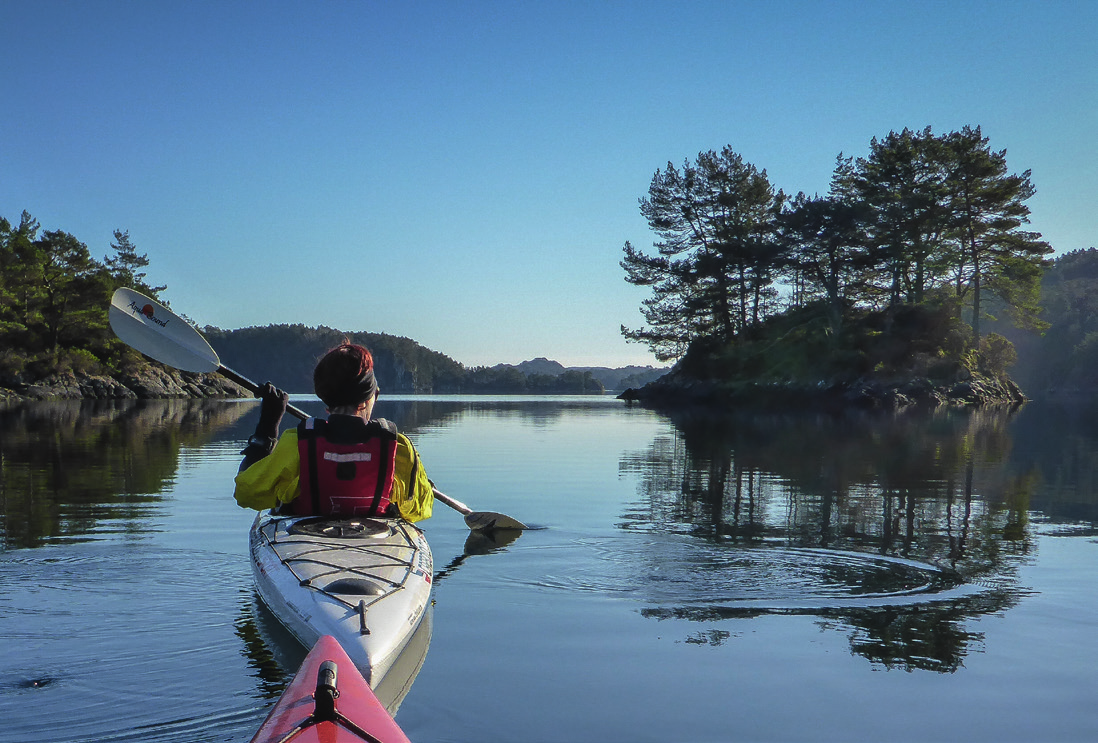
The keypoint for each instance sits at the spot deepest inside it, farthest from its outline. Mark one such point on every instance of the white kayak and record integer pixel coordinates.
(366, 582)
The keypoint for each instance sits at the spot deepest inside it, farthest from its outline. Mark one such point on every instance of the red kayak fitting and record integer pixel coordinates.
(329, 701)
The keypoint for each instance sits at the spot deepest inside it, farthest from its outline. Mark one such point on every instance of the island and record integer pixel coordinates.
(913, 280)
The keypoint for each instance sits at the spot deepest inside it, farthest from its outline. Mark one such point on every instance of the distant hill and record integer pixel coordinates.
(287, 354)
(540, 365)
(620, 378)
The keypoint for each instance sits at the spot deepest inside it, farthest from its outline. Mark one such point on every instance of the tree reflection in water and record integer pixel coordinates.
(68, 466)
(927, 489)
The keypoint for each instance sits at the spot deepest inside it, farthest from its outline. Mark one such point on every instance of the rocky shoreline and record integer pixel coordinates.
(153, 382)
(967, 390)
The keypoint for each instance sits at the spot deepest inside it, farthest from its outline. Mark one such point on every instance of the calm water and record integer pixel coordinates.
(756, 578)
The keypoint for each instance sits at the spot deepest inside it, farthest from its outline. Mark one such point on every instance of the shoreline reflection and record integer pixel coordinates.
(930, 488)
(73, 470)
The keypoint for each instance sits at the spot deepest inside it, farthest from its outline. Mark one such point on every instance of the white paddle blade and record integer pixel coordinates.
(151, 328)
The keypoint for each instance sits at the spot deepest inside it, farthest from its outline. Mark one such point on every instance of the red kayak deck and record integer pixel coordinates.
(307, 713)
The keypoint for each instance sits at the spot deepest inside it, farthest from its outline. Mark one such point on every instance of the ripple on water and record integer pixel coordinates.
(109, 641)
(674, 570)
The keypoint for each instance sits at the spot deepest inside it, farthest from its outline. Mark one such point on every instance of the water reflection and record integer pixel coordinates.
(921, 487)
(895, 530)
(67, 467)
(479, 542)
(272, 652)
(275, 655)
(413, 413)
(1059, 439)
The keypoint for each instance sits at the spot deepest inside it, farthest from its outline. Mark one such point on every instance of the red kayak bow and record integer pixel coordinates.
(329, 701)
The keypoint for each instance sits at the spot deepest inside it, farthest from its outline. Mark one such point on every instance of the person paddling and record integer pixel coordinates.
(350, 465)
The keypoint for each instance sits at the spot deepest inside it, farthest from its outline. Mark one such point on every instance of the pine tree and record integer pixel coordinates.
(903, 184)
(988, 210)
(715, 266)
(69, 290)
(828, 249)
(127, 264)
(19, 273)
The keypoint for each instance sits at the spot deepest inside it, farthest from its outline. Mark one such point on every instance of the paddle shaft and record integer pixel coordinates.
(254, 388)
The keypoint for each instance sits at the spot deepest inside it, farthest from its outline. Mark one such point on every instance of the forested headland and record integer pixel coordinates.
(904, 283)
(55, 340)
(54, 336)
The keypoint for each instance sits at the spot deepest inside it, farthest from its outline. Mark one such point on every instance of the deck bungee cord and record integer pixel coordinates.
(366, 581)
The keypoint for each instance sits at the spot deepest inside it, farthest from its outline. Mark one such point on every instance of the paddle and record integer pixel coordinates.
(151, 328)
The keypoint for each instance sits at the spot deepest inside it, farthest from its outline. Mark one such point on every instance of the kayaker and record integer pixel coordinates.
(347, 465)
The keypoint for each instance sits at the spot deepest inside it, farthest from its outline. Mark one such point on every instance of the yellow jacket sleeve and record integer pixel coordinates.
(412, 491)
(272, 480)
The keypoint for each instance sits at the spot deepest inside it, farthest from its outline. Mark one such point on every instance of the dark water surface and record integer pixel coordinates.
(777, 578)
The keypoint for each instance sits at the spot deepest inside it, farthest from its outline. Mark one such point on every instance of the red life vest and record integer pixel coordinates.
(347, 467)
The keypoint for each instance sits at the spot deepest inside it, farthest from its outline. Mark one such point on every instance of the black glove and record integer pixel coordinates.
(271, 412)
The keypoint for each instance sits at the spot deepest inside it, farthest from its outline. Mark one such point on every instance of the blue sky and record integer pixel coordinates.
(465, 174)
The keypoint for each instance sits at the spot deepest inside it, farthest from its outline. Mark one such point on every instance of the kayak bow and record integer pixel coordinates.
(328, 700)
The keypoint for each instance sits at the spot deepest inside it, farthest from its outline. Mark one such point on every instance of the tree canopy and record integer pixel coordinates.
(923, 221)
(716, 260)
(53, 292)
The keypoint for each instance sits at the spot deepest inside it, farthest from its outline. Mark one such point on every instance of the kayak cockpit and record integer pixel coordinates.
(336, 528)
